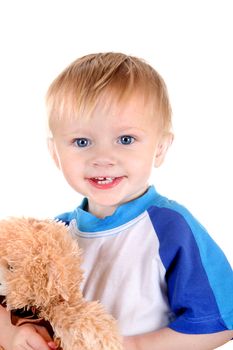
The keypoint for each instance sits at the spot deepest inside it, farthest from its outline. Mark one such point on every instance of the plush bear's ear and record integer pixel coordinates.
(54, 285)
(65, 277)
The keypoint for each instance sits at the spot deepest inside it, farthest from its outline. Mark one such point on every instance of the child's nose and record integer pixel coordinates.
(103, 162)
(104, 157)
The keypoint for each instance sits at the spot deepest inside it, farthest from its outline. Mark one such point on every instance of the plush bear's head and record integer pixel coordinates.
(39, 263)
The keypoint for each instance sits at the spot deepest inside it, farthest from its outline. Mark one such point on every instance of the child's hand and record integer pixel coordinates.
(31, 337)
(129, 343)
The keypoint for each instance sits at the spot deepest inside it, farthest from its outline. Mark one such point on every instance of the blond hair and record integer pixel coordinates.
(77, 90)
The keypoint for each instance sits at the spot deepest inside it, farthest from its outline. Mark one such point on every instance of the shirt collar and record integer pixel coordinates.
(86, 222)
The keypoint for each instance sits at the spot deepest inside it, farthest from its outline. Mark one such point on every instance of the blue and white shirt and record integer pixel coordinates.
(152, 265)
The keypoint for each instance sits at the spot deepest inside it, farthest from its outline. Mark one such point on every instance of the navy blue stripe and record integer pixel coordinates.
(189, 292)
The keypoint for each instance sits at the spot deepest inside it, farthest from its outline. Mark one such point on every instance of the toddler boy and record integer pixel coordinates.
(146, 258)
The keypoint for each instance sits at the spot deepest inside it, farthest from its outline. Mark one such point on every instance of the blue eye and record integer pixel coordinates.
(82, 142)
(126, 140)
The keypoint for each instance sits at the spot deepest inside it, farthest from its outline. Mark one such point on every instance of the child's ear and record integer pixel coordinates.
(52, 151)
(163, 145)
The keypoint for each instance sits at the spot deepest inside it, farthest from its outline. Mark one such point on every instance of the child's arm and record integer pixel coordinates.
(24, 337)
(167, 339)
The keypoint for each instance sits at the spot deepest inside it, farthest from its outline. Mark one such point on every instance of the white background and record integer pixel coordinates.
(188, 42)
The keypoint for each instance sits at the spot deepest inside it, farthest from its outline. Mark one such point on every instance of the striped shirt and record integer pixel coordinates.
(152, 265)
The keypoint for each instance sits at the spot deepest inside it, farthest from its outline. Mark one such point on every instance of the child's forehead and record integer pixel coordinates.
(110, 106)
(128, 115)
(107, 125)
(132, 109)
(127, 119)
(131, 112)
(132, 104)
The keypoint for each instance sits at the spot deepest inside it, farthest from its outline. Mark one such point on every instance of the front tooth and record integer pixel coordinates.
(106, 181)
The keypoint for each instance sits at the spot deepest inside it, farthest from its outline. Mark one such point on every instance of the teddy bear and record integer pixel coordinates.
(40, 281)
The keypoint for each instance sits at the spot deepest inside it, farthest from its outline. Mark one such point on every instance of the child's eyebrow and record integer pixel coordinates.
(118, 129)
(76, 130)
(129, 129)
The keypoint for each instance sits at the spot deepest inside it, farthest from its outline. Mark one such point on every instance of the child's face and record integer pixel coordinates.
(109, 156)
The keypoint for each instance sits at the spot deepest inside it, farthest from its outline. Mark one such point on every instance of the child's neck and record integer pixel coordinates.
(100, 212)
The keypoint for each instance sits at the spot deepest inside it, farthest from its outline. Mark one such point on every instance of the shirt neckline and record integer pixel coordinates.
(86, 222)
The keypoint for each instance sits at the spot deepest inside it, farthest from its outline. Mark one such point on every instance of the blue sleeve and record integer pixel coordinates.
(198, 275)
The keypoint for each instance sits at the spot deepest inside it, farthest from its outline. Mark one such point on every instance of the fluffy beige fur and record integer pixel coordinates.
(40, 267)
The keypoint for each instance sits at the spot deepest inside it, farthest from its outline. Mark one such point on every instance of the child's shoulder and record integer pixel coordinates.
(168, 212)
(177, 228)
(181, 234)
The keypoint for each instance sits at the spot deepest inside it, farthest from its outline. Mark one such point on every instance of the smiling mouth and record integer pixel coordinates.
(105, 182)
